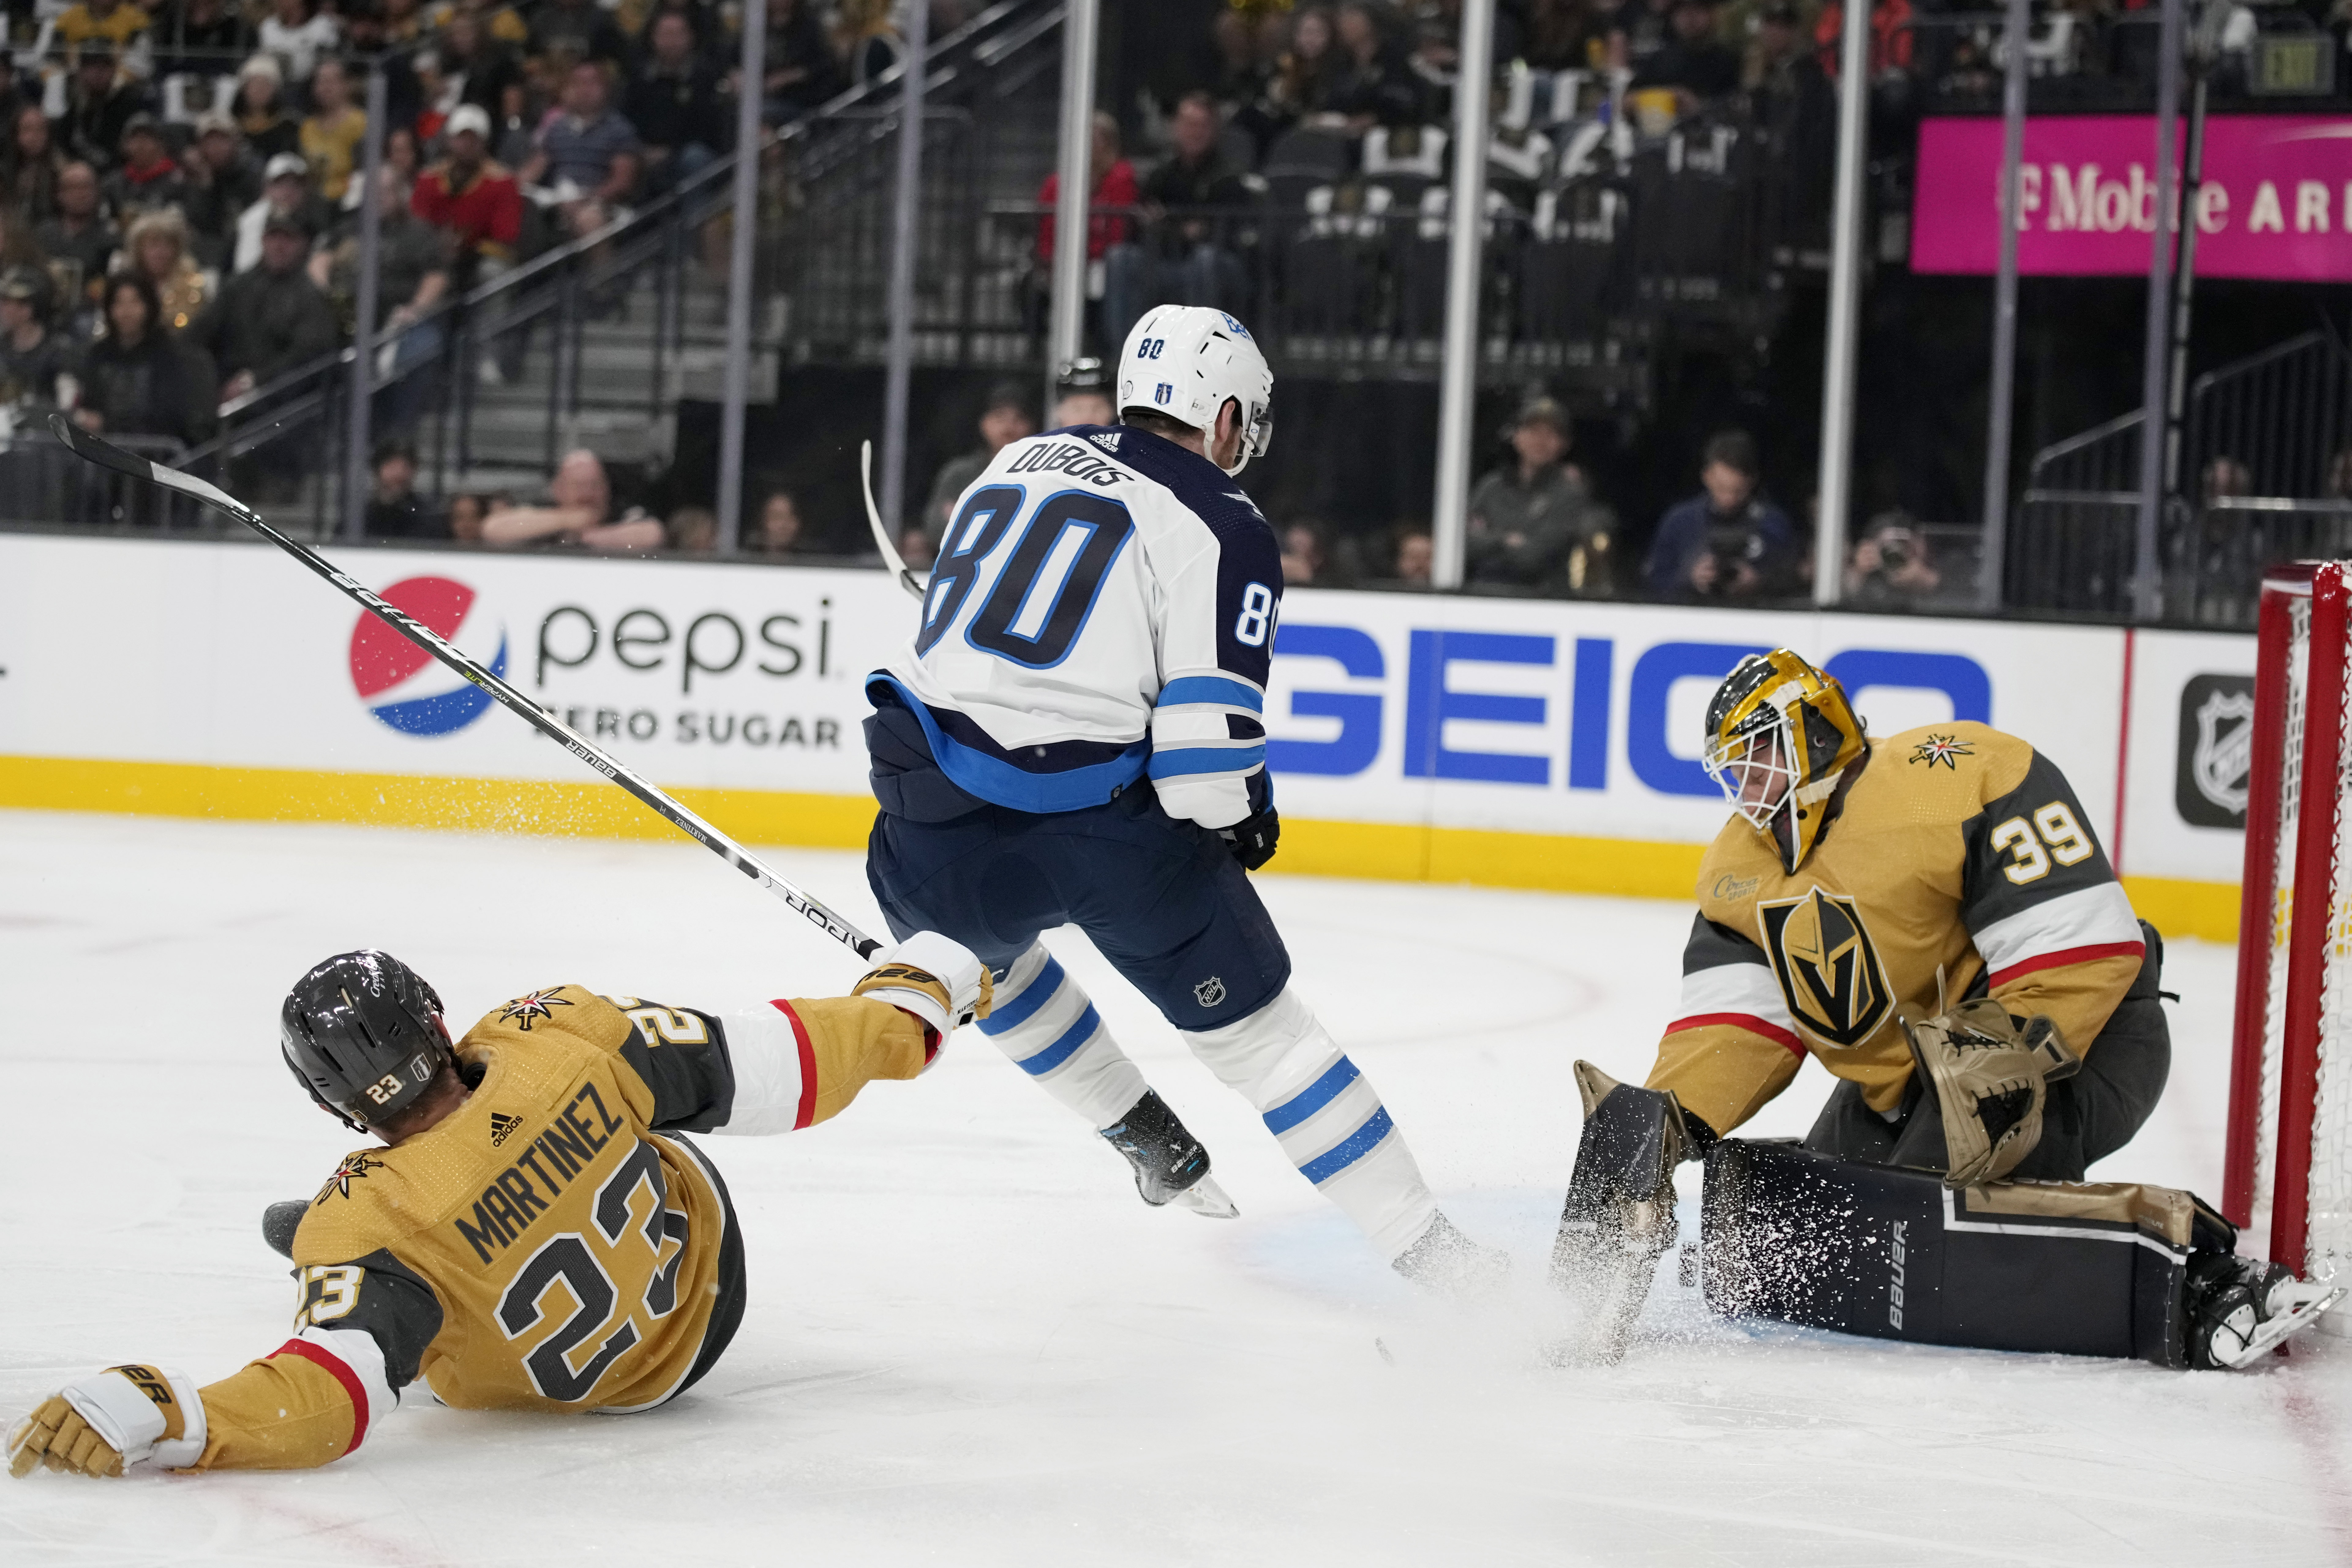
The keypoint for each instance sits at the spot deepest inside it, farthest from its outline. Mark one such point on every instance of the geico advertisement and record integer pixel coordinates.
(1525, 716)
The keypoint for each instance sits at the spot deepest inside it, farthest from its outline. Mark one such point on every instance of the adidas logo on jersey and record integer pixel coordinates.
(1107, 440)
(500, 1125)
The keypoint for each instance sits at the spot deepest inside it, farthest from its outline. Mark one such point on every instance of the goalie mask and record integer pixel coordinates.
(1779, 735)
(362, 1032)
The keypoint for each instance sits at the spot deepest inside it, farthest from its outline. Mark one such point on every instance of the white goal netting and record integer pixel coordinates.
(2327, 1209)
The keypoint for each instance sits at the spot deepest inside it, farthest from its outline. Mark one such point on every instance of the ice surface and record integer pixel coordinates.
(968, 1341)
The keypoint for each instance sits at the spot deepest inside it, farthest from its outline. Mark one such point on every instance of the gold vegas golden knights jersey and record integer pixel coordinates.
(1957, 847)
(551, 1244)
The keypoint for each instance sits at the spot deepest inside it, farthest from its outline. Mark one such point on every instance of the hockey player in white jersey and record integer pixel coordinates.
(1073, 736)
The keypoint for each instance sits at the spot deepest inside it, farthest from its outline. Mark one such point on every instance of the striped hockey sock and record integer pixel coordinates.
(1043, 1020)
(1326, 1116)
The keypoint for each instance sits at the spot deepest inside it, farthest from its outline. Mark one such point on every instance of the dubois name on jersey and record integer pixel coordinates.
(1103, 609)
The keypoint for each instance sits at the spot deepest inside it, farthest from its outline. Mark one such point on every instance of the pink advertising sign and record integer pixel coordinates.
(2276, 201)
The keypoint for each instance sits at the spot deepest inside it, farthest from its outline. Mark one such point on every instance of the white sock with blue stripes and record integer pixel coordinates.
(1326, 1116)
(1043, 1020)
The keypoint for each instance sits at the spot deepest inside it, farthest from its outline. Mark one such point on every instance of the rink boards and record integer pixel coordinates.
(1515, 743)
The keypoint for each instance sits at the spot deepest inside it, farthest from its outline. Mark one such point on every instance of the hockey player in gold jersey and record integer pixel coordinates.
(1931, 918)
(537, 1234)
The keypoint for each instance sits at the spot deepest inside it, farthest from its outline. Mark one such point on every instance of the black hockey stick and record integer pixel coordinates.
(106, 454)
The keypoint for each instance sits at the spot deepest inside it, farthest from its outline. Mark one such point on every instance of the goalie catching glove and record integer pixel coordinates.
(105, 1423)
(933, 978)
(1991, 1072)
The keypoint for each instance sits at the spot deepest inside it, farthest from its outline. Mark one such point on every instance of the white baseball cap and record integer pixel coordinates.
(468, 117)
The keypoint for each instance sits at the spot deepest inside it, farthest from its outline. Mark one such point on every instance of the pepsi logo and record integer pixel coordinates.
(404, 686)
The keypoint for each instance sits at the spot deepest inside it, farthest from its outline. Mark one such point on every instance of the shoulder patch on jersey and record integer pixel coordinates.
(537, 1005)
(355, 1168)
(1943, 748)
(1105, 439)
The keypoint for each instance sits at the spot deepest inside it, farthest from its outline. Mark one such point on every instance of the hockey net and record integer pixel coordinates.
(2289, 1172)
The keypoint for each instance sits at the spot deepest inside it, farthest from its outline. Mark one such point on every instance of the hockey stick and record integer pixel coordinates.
(106, 454)
(892, 561)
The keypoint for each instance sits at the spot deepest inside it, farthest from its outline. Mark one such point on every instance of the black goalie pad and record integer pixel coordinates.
(2072, 1269)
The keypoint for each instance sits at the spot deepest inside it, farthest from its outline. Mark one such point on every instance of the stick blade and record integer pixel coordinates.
(92, 448)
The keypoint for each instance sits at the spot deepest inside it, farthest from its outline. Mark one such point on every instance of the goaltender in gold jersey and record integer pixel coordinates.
(538, 1235)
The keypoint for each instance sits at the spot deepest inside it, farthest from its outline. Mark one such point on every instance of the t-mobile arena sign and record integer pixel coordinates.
(2276, 200)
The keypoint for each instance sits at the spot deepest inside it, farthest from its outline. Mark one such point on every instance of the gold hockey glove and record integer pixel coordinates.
(101, 1424)
(937, 979)
(1991, 1072)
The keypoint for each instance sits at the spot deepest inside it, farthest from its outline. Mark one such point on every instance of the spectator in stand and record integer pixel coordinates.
(271, 319)
(867, 40)
(502, 23)
(1792, 102)
(1892, 565)
(147, 179)
(692, 530)
(1186, 257)
(1004, 419)
(1692, 60)
(411, 275)
(1111, 179)
(285, 192)
(1415, 555)
(401, 160)
(332, 130)
(1381, 88)
(29, 166)
(1306, 79)
(1639, 29)
(1303, 556)
(780, 526)
(80, 240)
(268, 130)
(404, 22)
(155, 247)
(476, 201)
(588, 154)
(1725, 542)
(1567, 34)
(917, 548)
(1533, 523)
(1242, 72)
(298, 37)
(138, 381)
(116, 23)
(394, 509)
(799, 70)
(485, 66)
(466, 515)
(32, 357)
(1081, 394)
(436, 95)
(576, 512)
(579, 30)
(1890, 37)
(674, 103)
(100, 101)
(196, 35)
(223, 181)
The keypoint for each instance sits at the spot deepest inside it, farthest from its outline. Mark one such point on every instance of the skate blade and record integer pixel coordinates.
(1207, 1199)
(2276, 1332)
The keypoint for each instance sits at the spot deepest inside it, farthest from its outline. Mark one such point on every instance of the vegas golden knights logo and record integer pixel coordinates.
(1828, 966)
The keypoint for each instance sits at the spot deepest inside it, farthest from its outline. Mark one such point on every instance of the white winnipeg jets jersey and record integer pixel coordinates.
(1102, 607)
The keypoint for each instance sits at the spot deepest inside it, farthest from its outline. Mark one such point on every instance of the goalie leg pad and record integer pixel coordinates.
(2076, 1269)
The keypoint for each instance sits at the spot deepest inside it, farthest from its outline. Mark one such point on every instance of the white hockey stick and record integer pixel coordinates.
(106, 454)
(892, 561)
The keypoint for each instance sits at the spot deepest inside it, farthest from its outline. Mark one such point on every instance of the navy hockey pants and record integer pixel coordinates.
(1163, 900)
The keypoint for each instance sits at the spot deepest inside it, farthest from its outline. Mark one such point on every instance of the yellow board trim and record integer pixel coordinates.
(1386, 851)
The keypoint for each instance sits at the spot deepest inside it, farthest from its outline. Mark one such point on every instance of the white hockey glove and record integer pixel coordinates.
(105, 1423)
(937, 979)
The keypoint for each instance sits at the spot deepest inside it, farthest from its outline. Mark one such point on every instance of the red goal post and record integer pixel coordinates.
(2289, 1155)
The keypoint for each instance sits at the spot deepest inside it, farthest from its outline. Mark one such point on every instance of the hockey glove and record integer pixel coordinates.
(1620, 1213)
(102, 1424)
(1253, 838)
(935, 978)
(1991, 1074)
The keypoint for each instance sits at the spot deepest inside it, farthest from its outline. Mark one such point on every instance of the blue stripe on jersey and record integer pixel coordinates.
(1186, 760)
(1023, 1008)
(1062, 1050)
(1000, 783)
(1218, 689)
(1312, 1098)
(1350, 1149)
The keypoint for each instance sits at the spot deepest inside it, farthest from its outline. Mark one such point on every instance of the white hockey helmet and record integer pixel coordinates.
(1186, 361)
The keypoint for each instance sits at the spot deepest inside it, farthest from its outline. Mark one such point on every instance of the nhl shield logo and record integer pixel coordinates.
(1210, 992)
(2216, 751)
(1828, 966)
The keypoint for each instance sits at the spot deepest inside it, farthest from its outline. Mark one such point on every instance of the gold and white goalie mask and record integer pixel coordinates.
(1779, 734)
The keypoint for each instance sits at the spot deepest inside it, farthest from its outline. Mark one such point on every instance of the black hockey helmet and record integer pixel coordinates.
(362, 1032)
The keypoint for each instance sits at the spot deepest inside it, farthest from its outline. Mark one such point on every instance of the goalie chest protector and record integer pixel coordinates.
(2069, 1268)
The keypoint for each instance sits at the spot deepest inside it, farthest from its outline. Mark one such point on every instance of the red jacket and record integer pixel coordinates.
(486, 216)
(1117, 188)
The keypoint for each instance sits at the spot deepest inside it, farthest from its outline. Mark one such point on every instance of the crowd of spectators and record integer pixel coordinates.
(181, 186)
